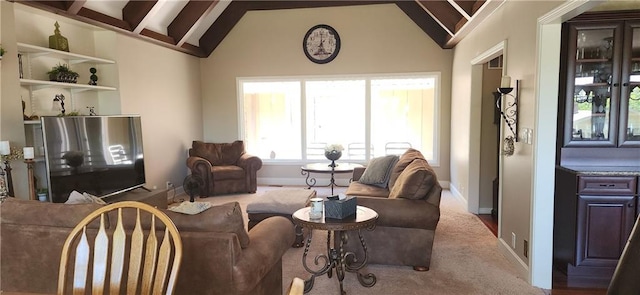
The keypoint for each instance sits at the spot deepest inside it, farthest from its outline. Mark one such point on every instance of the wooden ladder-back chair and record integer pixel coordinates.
(152, 268)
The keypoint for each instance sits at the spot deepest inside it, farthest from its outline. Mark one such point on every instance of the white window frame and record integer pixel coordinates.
(435, 162)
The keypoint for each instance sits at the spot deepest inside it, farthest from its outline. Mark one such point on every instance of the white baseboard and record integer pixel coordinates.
(521, 268)
(484, 210)
(458, 196)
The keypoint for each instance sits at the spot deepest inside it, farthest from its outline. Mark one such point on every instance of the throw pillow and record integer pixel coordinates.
(414, 182)
(378, 171)
(403, 162)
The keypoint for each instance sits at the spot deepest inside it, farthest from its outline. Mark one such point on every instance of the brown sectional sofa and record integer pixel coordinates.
(408, 209)
(219, 255)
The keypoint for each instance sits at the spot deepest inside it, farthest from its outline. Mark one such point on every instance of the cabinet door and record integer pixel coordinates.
(630, 95)
(593, 74)
(604, 224)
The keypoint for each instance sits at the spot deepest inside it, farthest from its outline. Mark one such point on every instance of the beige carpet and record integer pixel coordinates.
(466, 259)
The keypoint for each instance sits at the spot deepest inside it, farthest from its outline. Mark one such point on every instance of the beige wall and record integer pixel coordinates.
(161, 85)
(375, 39)
(516, 22)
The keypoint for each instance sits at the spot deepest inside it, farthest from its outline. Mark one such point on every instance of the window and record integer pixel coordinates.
(294, 119)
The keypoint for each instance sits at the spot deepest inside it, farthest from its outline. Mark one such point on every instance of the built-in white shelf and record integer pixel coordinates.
(40, 84)
(32, 122)
(73, 58)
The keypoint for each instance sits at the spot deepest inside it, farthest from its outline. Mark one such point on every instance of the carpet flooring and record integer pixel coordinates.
(466, 259)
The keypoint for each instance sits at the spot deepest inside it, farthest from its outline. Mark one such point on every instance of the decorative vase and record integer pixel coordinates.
(333, 155)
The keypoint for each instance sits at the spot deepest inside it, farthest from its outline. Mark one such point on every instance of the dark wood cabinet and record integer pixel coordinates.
(594, 215)
(596, 183)
(603, 226)
(602, 89)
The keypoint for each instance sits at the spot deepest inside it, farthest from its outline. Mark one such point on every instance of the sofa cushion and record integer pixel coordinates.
(358, 189)
(403, 162)
(378, 171)
(225, 218)
(218, 153)
(226, 172)
(414, 182)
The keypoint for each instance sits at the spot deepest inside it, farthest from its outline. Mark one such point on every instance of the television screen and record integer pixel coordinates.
(99, 155)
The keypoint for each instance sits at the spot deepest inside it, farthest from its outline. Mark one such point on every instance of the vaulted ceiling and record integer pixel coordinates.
(198, 26)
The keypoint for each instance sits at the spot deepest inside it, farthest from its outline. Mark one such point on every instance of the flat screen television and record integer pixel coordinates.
(99, 155)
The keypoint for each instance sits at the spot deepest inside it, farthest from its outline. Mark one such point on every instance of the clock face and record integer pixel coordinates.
(321, 44)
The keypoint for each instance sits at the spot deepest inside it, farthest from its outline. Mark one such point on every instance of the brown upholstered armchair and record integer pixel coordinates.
(224, 167)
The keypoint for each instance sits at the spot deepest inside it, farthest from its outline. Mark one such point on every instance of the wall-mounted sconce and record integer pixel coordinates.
(508, 105)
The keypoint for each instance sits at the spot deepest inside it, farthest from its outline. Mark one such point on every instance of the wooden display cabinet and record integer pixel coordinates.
(602, 89)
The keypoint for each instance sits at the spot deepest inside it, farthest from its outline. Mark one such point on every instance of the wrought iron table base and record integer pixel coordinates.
(339, 260)
(311, 181)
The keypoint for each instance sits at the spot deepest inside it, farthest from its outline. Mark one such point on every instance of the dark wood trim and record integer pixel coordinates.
(444, 12)
(75, 6)
(607, 16)
(466, 5)
(94, 17)
(222, 26)
(134, 13)
(428, 25)
(157, 36)
(189, 17)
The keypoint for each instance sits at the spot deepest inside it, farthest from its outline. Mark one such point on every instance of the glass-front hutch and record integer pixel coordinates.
(603, 85)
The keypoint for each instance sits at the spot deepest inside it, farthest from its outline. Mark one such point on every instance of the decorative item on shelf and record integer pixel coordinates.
(28, 159)
(20, 71)
(92, 111)
(58, 103)
(57, 41)
(24, 107)
(508, 105)
(9, 153)
(93, 79)
(333, 152)
(4, 150)
(62, 73)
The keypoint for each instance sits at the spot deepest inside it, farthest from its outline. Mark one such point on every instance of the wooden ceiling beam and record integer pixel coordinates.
(424, 21)
(189, 18)
(222, 26)
(138, 13)
(465, 5)
(445, 14)
(73, 7)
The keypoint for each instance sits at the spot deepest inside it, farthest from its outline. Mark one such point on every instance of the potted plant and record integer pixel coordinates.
(42, 194)
(1, 51)
(62, 73)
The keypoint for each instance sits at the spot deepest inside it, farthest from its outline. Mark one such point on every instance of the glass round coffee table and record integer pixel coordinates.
(336, 258)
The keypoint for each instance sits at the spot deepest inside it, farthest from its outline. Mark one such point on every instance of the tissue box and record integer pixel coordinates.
(340, 209)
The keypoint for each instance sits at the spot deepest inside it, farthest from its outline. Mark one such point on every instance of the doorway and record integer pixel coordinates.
(490, 144)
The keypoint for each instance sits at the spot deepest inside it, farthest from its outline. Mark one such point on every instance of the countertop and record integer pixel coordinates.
(604, 170)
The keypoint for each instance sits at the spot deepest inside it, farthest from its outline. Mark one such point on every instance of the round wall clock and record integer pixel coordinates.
(321, 44)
